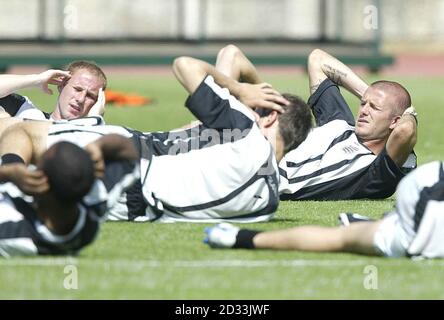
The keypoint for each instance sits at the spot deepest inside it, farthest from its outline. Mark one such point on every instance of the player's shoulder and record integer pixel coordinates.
(84, 121)
(337, 125)
(324, 135)
(15, 206)
(432, 171)
(331, 130)
(431, 166)
(8, 190)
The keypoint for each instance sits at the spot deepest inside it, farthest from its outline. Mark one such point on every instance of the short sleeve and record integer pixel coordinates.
(328, 104)
(217, 108)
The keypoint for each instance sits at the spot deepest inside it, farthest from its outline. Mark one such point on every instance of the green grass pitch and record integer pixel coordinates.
(169, 261)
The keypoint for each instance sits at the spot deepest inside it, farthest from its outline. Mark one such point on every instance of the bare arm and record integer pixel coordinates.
(116, 147)
(10, 83)
(357, 238)
(233, 63)
(3, 113)
(17, 141)
(190, 72)
(111, 147)
(321, 66)
(24, 138)
(402, 139)
(7, 121)
(31, 182)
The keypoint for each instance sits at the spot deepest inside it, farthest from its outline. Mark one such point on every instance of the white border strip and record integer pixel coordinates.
(140, 264)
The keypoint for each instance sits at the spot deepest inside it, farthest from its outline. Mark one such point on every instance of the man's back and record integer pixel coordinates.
(66, 217)
(234, 176)
(224, 181)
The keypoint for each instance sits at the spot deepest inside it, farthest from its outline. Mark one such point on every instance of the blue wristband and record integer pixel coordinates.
(11, 158)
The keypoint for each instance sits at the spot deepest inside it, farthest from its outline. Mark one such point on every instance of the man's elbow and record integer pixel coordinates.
(190, 72)
(181, 64)
(405, 133)
(315, 58)
(229, 51)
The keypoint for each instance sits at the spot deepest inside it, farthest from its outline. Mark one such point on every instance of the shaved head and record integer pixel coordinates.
(399, 95)
(70, 171)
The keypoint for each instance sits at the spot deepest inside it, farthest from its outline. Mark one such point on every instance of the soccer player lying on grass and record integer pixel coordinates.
(230, 174)
(70, 195)
(414, 228)
(80, 93)
(342, 158)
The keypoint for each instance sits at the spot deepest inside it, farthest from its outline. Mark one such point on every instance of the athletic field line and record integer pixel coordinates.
(140, 264)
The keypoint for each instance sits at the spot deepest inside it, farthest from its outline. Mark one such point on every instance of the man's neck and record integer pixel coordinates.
(50, 216)
(273, 136)
(54, 116)
(279, 150)
(375, 146)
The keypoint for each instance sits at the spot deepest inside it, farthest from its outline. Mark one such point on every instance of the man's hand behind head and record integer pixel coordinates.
(261, 95)
(98, 109)
(55, 77)
(96, 154)
(111, 147)
(32, 182)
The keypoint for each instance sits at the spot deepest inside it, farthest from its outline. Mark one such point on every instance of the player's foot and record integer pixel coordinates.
(346, 218)
(222, 235)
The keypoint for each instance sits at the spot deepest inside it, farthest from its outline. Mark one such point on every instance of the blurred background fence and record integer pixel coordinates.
(154, 31)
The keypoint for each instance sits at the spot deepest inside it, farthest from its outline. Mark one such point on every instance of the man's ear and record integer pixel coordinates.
(394, 122)
(270, 119)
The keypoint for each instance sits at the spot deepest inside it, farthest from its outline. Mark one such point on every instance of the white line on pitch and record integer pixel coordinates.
(204, 263)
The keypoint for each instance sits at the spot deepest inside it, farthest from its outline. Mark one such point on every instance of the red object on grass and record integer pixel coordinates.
(122, 99)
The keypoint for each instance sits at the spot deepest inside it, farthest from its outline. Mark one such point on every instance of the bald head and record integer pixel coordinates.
(399, 95)
(70, 171)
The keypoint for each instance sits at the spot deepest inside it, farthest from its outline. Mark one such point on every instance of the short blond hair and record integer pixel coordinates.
(92, 67)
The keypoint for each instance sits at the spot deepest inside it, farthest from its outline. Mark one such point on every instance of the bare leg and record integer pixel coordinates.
(357, 238)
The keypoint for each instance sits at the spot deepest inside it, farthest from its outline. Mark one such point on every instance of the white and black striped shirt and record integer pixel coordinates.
(420, 210)
(228, 170)
(22, 107)
(332, 164)
(23, 233)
